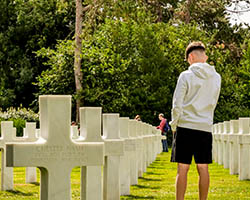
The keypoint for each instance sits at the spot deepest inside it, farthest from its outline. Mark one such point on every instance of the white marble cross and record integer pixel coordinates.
(157, 139)
(149, 145)
(114, 149)
(225, 138)
(220, 143)
(129, 148)
(139, 147)
(6, 172)
(55, 155)
(152, 144)
(133, 157)
(234, 147)
(244, 148)
(9, 135)
(145, 146)
(215, 143)
(30, 136)
(159, 136)
(90, 131)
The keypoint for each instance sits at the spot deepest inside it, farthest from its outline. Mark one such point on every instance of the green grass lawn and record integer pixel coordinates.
(157, 183)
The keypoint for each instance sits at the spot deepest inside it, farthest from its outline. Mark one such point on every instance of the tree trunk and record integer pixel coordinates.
(77, 62)
(187, 15)
(159, 12)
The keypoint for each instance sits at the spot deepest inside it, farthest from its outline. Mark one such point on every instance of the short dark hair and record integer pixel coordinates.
(194, 46)
(161, 114)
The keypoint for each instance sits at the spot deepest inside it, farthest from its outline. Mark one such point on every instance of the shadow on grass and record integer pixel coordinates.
(16, 192)
(138, 197)
(36, 183)
(150, 179)
(154, 173)
(155, 167)
(146, 187)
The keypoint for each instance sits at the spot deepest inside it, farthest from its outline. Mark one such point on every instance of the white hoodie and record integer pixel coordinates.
(195, 98)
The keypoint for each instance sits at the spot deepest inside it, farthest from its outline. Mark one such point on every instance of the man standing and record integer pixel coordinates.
(163, 132)
(195, 98)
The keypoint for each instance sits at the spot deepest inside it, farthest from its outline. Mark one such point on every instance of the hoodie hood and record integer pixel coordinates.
(202, 70)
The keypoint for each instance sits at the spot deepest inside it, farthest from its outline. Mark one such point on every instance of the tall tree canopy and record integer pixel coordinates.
(25, 27)
(132, 53)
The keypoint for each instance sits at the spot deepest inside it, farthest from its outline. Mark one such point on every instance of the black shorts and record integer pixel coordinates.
(188, 143)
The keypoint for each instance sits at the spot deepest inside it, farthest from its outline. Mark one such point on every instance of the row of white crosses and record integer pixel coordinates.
(109, 163)
(142, 144)
(231, 146)
(30, 134)
(8, 134)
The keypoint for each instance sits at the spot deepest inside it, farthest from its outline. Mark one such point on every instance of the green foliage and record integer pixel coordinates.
(25, 27)
(244, 79)
(212, 17)
(19, 117)
(132, 55)
(7, 96)
(59, 80)
(26, 114)
(132, 68)
(221, 58)
(128, 67)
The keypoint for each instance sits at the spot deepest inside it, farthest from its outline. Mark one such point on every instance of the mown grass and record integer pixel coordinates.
(23, 191)
(157, 183)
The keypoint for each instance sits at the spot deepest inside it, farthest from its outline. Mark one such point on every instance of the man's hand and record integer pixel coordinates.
(173, 132)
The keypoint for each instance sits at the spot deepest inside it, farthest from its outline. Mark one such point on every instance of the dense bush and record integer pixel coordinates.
(19, 117)
(132, 55)
(25, 27)
(132, 68)
(128, 67)
(244, 78)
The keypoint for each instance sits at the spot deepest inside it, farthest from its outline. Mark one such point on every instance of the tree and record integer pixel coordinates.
(131, 56)
(77, 62)
(244, 79)
(25, 27)
(128, 67)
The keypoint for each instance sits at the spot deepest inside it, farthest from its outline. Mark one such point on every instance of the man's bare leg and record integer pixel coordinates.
(203, 180)
(181, 180)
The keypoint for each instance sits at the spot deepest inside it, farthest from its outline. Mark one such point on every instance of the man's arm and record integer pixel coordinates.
(179, 94)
